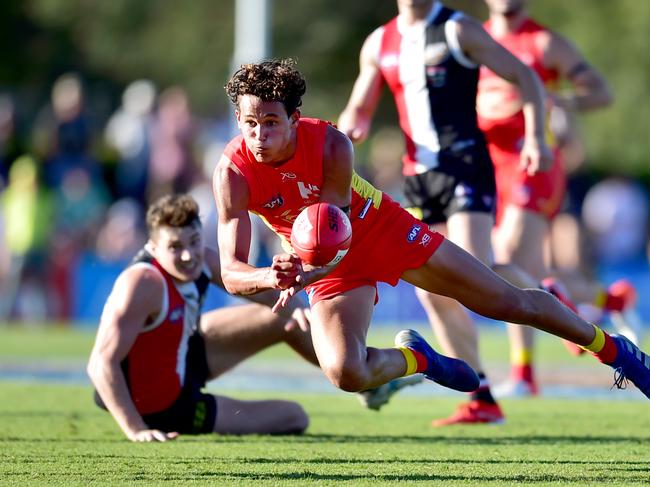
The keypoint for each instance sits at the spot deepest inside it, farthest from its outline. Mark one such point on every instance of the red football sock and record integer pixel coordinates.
(522, 372)
(421, 360)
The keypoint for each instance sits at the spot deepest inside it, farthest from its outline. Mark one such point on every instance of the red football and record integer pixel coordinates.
(321, 235)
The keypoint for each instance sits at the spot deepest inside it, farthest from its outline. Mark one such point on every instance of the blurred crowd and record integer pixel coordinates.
(76, 183)
(71, 184)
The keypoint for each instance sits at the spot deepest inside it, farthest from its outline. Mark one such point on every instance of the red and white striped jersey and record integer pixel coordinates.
(434, 86)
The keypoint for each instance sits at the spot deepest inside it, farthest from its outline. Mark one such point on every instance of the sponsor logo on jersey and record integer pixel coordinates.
(308, 190)
(176, 314)
(414, 232)
(288, 175)
(426, 238)
(462, 190)
(289, 217)
(522, 194)
(437, 75)
(277, 200)
(364, 210)
(389, 61)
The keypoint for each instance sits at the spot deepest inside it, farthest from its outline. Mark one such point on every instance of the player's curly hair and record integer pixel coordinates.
(274, 80)
(172, 210)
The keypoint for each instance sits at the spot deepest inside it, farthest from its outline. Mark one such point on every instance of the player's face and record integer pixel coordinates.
(179, 250)
(267, 129)
(506, 7)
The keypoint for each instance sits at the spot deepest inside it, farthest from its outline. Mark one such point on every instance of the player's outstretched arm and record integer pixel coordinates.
(136, 296)
(234, 235)
(590, 89)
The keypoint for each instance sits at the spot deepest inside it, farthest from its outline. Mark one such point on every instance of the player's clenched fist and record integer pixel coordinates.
(286, 271)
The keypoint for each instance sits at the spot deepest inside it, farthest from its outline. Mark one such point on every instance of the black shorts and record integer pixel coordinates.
(193, 412)
(462, 182)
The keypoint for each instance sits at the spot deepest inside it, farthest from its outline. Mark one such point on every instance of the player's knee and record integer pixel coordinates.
(346, 377)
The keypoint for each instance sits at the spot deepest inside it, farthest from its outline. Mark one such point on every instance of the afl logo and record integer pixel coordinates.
(413, 234)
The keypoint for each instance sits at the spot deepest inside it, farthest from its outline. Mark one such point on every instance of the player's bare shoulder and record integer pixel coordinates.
(229, 186)
(338, 148)
(139, 288)
(470, 35)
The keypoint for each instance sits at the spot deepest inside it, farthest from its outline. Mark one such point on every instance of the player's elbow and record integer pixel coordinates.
(229, 284)
(92, 369)
(98, 368)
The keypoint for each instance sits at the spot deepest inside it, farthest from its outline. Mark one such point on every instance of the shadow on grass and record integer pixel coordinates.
(351, 439)
(418, 477)
(457, 440)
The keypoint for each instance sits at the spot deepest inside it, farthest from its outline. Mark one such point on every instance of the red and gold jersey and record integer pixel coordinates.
(499, 102)
(279, 194)
(386, 239)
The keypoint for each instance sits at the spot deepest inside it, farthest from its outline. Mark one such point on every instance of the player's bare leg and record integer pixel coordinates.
(235, 333)
(618, 300)
(236, 417)
(452, 324)
(339, 327)
(232, 334)
(519, 239)
(453, 272)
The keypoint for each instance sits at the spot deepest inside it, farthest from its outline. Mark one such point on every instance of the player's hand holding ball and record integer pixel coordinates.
(321, 235)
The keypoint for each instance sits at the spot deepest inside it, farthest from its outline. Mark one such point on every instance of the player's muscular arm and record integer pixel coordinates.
(294, 312)
(356, 119)
(234, 235)
(136, 298)
(482, 49)
(590, 89)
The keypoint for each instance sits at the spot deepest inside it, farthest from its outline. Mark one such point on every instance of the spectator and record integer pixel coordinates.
(128, 131)
(27, 212)
(172, 167)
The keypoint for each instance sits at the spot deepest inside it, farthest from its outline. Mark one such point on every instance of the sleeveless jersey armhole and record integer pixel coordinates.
(451, 34)
(165, 302)
(374, 44)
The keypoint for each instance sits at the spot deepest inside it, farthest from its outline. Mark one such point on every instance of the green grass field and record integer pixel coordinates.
(51, 433)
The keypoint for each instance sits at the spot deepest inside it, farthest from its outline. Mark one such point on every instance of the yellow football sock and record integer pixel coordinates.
(522, 356)
(597, 343)
(411, 361)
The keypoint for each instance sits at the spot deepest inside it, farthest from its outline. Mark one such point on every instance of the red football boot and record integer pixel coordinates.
(473, 412)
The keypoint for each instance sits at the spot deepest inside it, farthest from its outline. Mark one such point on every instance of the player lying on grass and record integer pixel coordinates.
(282, 163)
(155, 350)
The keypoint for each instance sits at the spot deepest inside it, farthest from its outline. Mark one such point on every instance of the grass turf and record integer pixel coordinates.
(52, 434)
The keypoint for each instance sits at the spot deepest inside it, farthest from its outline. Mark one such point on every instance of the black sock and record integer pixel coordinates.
(483, 393)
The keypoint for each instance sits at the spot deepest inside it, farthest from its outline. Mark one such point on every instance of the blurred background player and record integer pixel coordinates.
(526, 203)
(155, 350)
(429, 57)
